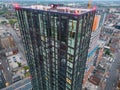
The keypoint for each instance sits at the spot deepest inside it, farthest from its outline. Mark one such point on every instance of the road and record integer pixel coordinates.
(113, 74)
(6, 70)
(24, 84)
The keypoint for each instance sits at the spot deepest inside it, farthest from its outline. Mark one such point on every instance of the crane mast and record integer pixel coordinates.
(89, 4)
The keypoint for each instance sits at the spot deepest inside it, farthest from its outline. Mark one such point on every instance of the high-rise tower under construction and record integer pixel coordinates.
(56, 41)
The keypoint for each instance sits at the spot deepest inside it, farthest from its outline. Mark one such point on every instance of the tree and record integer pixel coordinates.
(27, 73)
(19, 64)
(12, 22)
(26, 68)
(107, 52)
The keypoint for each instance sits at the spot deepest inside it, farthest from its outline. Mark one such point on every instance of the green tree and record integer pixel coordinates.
(12, 22)
(26, 68)
(107, 52)
(19, 64)
(27, 73)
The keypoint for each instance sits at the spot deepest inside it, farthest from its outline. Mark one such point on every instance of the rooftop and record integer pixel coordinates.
(93, 79)
(4, 33)
(57, 8)
(14, 59)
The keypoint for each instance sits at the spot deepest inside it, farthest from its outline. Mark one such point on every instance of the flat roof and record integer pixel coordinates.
(93, 79)
(60, 9)
(14, 59)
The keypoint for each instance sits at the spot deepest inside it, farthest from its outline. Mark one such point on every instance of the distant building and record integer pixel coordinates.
(2, 78)
(106, 33)
(112, 10)
(56, 42)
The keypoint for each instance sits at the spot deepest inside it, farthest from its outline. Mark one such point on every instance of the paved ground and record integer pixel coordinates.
(113, 75)
(6, 68)
(16, 38)
(24, 84)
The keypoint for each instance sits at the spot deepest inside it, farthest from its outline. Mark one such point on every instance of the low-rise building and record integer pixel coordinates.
(2, 79)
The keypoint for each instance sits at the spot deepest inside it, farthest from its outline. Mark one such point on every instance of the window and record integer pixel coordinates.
(72, 25)
(71, 42)
(68, 86)
(69, 75)
(71, 51)
(72, 34)
(70, 58)
(56, 56)
(68, 80)
(69, 64)
(69, 70)
(42, 38)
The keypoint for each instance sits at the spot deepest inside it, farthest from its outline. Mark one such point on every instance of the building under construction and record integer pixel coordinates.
(56, 40)
(7, 44)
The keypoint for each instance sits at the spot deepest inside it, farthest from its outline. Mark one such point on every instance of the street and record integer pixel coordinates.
(6, 69)
(113, 74)
(24, 84)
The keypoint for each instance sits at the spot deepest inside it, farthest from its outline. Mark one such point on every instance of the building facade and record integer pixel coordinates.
(94, 45)
(56, 42)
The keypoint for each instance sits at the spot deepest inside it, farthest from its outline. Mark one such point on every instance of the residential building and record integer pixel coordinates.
(56, 41)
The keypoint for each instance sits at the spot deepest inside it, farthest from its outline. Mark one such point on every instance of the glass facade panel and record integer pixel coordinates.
(70, 64)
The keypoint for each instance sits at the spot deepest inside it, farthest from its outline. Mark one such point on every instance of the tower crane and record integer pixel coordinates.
(89, 4)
